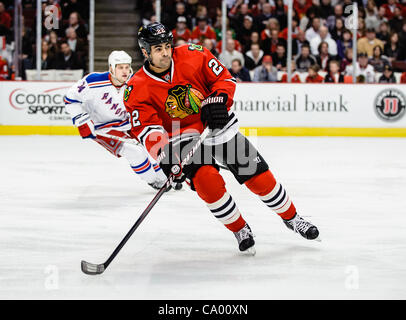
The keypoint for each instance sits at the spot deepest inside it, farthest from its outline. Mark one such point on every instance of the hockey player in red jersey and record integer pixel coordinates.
(180, 91)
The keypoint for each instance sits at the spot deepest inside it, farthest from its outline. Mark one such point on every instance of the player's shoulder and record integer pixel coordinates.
(97, 78)
(189, 51)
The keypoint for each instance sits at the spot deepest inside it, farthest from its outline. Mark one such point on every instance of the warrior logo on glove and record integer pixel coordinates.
(182, 101)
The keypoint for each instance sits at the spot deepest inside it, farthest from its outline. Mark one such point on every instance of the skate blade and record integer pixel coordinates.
(249, 252)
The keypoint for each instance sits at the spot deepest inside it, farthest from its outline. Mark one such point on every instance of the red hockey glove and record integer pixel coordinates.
(85, 126)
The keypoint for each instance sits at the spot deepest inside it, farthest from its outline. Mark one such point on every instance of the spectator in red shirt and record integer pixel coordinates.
(403, 78)
(3, 69)
(203, 31)
(301, 7)
(295, 77)
(5, 18)
(390, 8)
(313, 74)
(181, 31)
(229, 35)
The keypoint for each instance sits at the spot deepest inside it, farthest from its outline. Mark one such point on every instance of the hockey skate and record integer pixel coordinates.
(306, 229)
(157, 185)
(245, 240)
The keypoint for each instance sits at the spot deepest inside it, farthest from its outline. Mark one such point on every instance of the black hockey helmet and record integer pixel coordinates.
(153, 34)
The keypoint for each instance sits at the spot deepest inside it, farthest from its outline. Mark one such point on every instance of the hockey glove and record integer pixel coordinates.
(170, 159)
(170, 162)
(214, 111)
(85, 126)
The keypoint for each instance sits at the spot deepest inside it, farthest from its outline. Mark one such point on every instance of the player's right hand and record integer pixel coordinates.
(85, 126)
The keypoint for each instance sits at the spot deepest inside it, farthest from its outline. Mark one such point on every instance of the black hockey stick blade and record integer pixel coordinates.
(91, 268)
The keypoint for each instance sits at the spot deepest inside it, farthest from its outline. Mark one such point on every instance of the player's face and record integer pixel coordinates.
(161, 55)
(122, 72)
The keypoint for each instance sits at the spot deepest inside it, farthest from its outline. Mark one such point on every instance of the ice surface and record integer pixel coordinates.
(63, 200)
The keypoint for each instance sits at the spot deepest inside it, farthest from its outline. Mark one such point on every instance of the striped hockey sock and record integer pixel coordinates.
(210, 187)
(272, 194)
(226, 211)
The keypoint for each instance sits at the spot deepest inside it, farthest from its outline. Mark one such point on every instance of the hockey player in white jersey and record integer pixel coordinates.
(95, 104)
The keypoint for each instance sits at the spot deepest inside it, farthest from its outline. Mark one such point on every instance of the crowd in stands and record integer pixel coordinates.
(256, 39)
(64, 45)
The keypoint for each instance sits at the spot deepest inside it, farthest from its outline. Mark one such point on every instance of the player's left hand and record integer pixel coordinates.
(214, 112)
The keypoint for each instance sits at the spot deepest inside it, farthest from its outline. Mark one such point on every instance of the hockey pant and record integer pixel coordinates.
(138, 158)
(249, 168)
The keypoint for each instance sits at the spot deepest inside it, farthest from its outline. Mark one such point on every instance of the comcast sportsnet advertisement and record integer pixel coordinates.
(34, 103)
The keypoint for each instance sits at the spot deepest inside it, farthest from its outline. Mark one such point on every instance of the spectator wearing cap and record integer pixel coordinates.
(239, 72)
(305, 59)
(181, 31)
(334, 75)
(230, 54)
(253, 57)
(266, 72)
(323, 36)
(313, 75)
(369, 42)
(203, 31)
(363, 69)
(387, 76)
(245, 31)
(378, 60)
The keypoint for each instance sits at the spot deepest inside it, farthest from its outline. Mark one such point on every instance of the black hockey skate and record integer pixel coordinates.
(245, 240)
(299, 225)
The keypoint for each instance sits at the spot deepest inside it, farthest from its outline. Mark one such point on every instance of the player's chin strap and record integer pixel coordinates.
(115, 78)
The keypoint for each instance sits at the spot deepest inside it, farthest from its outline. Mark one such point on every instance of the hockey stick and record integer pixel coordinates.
(95, 269)
(133, 141)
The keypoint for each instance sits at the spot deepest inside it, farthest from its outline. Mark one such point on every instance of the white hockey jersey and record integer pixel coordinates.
(101, 100)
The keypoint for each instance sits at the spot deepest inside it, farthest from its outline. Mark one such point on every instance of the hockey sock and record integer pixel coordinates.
(272, 194)
(140, 163)
(210, 187)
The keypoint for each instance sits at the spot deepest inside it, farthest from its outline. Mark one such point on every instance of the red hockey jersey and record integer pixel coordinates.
(172, 103)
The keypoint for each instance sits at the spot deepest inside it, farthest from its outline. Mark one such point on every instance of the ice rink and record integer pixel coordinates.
(63, 200)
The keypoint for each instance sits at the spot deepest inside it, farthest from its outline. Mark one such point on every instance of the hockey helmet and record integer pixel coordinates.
(153, 34)
(119, 57)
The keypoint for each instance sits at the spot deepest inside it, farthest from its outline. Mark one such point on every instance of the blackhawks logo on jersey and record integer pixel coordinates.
(182, 101)
(127, 92)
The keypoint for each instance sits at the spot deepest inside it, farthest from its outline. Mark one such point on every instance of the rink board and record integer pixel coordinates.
(263, 109)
